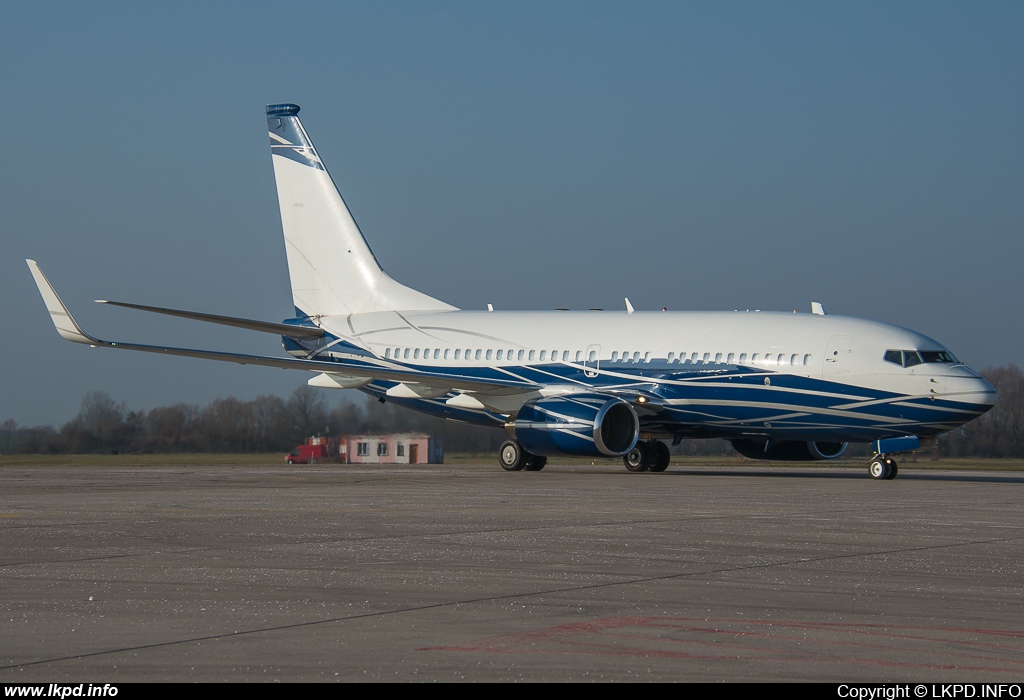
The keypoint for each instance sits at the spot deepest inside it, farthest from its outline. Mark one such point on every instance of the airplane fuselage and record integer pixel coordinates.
(791, 376)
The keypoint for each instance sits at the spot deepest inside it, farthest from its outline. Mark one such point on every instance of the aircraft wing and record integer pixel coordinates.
(351, 366)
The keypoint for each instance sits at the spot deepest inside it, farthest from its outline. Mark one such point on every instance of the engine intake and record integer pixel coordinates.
(587, 425)
(789, 451)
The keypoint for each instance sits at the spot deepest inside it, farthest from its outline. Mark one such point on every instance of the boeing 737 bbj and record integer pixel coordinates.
(779, 386)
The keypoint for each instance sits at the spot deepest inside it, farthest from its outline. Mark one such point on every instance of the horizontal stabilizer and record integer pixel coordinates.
(285, 329)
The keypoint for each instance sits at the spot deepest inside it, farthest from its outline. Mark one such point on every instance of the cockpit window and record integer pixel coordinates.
(912, 358)
(938, 356)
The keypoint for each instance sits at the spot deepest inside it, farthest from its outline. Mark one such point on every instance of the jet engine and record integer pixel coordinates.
(789, 451)
(586, 425)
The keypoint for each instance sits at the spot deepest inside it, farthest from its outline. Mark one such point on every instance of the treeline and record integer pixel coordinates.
(273, 424)
(265, 424)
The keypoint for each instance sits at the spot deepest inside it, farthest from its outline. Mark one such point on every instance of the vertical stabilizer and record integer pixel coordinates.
(332, 269)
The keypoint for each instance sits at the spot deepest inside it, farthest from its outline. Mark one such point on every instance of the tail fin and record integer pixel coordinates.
(332, 269)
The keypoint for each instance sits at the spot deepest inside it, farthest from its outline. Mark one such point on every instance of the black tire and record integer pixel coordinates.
(879, 468)
(636, 460)
(659, 456)
(894, 469)
(511, 456)
(534, 463)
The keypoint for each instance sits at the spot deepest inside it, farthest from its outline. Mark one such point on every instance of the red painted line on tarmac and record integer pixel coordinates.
(572, 639)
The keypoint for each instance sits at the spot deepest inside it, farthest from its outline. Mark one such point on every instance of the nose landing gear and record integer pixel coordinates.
(883, 468)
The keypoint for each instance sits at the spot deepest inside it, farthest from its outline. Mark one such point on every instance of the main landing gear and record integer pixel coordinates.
(649, 456)
(513, 458)
(883, 468)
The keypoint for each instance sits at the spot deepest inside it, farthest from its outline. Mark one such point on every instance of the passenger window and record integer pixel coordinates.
(579, 355)
(543, 355)
(479, 353)
(593, 355)
(755, 358)
(457, 353)
(707, 357)
(406, 354)
(794, 359)
(743, 358)
(500, 353)
(671, 357)
(446, 352)
(693, 357)
(730, 358)
(783, 360)
(519, 356)
(387, 354)
(565, 356)
(636, 356)
(807, 360)
(718, 358)
(437, 353)
(615, 356)
(531, 355)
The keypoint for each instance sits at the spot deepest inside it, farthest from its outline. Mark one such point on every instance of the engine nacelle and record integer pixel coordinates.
(789, 451)
(586, 425)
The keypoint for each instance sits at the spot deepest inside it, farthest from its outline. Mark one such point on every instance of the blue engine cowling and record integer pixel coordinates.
(789, 451)
(586, 425)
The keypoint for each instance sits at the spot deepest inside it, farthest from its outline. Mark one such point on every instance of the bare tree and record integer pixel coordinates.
(308, 411)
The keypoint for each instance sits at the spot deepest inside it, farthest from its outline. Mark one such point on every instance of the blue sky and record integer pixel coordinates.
(529, 155)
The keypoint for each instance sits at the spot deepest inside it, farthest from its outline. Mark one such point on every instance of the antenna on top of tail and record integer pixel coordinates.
(332, 269)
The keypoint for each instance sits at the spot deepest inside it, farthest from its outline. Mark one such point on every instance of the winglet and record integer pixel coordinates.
(817, 309)
(629, 307)
(59, 314)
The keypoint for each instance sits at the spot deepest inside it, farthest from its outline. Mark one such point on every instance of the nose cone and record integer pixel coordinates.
(966, 385)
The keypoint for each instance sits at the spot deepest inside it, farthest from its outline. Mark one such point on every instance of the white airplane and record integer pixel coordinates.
(778, 386)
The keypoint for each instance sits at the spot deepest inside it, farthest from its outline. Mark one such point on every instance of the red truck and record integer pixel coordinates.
(305, 454)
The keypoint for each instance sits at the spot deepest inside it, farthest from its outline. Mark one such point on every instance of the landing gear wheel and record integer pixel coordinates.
(894, 469)
(659, 456)
(534, 463)
(636, 460)
(880, 468)
(511, 456)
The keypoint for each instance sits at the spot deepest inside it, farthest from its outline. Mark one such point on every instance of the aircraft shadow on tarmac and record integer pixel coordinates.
(854, 475)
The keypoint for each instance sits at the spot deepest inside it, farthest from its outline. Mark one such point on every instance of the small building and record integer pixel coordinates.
(395, 448)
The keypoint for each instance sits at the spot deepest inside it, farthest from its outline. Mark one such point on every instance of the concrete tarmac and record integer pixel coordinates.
(447, 573)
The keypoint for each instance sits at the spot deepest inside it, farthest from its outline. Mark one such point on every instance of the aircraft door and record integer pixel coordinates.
(592, 360)
(838, 356)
